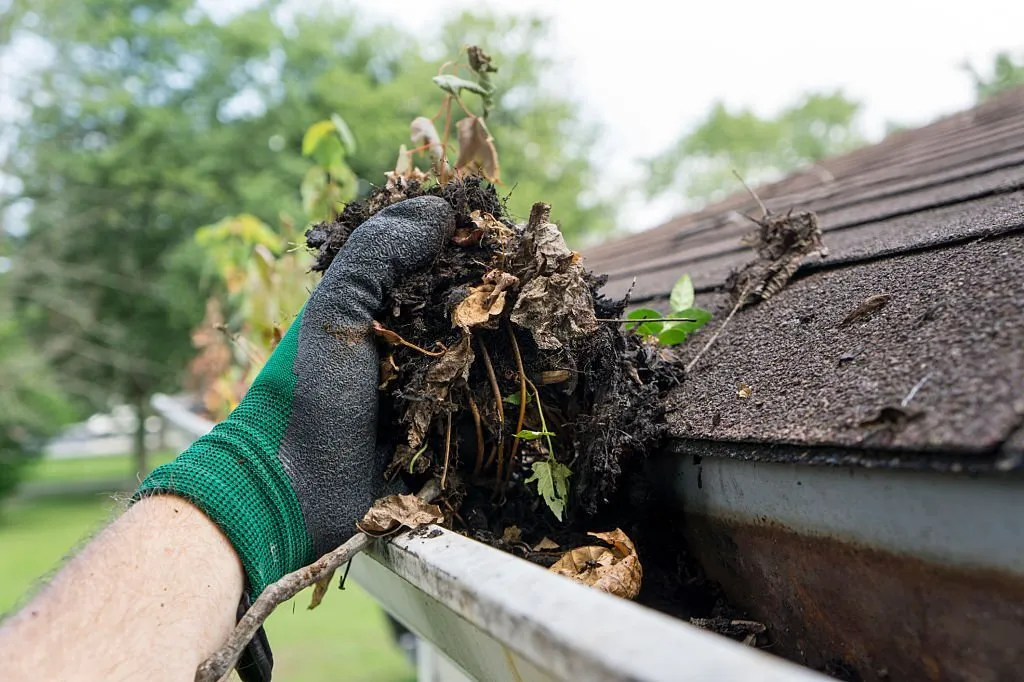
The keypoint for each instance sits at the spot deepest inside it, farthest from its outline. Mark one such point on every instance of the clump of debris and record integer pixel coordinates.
(502, 375)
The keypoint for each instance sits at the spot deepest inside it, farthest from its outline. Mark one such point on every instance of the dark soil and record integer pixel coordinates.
(601, 389)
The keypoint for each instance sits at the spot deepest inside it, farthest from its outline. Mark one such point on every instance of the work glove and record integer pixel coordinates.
(296, 464)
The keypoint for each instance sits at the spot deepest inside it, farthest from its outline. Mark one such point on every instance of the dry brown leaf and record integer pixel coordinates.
(476, 147)
(423, 133)
(744, 391)
(388, 371)
(616, 570)
(319, 590)
(545, 544)
(479, 308)
(391, 512)
(512, 534)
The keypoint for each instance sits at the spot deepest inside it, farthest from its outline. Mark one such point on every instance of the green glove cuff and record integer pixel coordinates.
(234, 475)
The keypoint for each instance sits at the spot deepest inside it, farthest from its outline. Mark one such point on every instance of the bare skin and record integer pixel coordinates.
(162, 578)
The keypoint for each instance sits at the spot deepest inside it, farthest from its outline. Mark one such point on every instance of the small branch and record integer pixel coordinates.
(646, 319)
(447, 449)
(395, 339)
(913, 392)
(475, 411)
(718, 332)
(522, 402)
(224, 659)
(499, 405)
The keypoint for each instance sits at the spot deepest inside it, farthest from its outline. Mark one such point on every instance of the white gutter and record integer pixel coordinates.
(502, 619)
(498, 618)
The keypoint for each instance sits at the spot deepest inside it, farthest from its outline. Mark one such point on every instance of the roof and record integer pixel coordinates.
(933, 218)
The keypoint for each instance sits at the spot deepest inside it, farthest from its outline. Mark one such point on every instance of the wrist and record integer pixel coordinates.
(234, 475)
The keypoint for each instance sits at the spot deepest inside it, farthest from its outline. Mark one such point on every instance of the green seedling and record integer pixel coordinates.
(673, 328)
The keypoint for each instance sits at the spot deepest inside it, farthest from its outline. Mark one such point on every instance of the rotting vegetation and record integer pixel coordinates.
(521, 400)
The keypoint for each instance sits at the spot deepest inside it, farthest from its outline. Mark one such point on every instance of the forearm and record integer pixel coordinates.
(152, 596)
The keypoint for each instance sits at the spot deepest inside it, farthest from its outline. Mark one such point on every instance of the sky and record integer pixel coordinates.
(647, 70)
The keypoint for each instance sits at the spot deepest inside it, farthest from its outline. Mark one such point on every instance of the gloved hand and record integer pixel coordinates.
(290, 471)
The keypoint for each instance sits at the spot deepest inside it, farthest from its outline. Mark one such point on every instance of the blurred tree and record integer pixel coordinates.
(701, 164)
(33, 406)
(142, 120)
(1007, 73)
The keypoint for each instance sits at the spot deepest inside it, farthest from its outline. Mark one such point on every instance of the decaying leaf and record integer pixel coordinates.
(453, 365)
(556, 309)
(866, 308)
(744, 391)
(423, 133)
(552, 479)
(391, 512)
(616, 570)
(555, 304)
(388, 371)
(476, 148)
(512, 534)
(782, 242)
(454, 85)
(545, 544)
(320, 589)
(480, 308)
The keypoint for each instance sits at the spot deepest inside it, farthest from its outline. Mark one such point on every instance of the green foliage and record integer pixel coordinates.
(331, 182)
(455, 85)
(672, 332)
(527, 434)
(516, 399)
(150, 119)
(702, 162)
(1007, 72)
(552, 479)
(33, 406)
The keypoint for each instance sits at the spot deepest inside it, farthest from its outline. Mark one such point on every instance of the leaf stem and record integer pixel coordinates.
(475, 411)
(447, 449)
(641, 320)
(522, 401)
(496, 390)
(417, 456)
(543, 423)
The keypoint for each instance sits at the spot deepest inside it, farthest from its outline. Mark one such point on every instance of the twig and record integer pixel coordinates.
(475, 411)
(224, 659)
(522, 402)
(640, 320)
(913, 392)
(499, 405)
(718, 332)
(447, 449)
(395, 339)
(764, 209)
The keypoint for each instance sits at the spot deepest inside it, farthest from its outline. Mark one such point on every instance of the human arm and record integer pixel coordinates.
(292, 469)
(150, 597)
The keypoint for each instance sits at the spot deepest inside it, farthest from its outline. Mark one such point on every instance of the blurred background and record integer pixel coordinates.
(161, 159)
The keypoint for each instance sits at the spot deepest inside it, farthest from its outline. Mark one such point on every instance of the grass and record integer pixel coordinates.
(107, 468)
(345, 639)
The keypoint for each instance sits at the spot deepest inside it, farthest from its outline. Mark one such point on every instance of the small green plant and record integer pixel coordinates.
(675, 327)
(550, 475)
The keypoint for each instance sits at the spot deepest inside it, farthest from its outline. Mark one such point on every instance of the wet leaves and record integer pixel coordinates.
(395, 511)
(615, 570)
